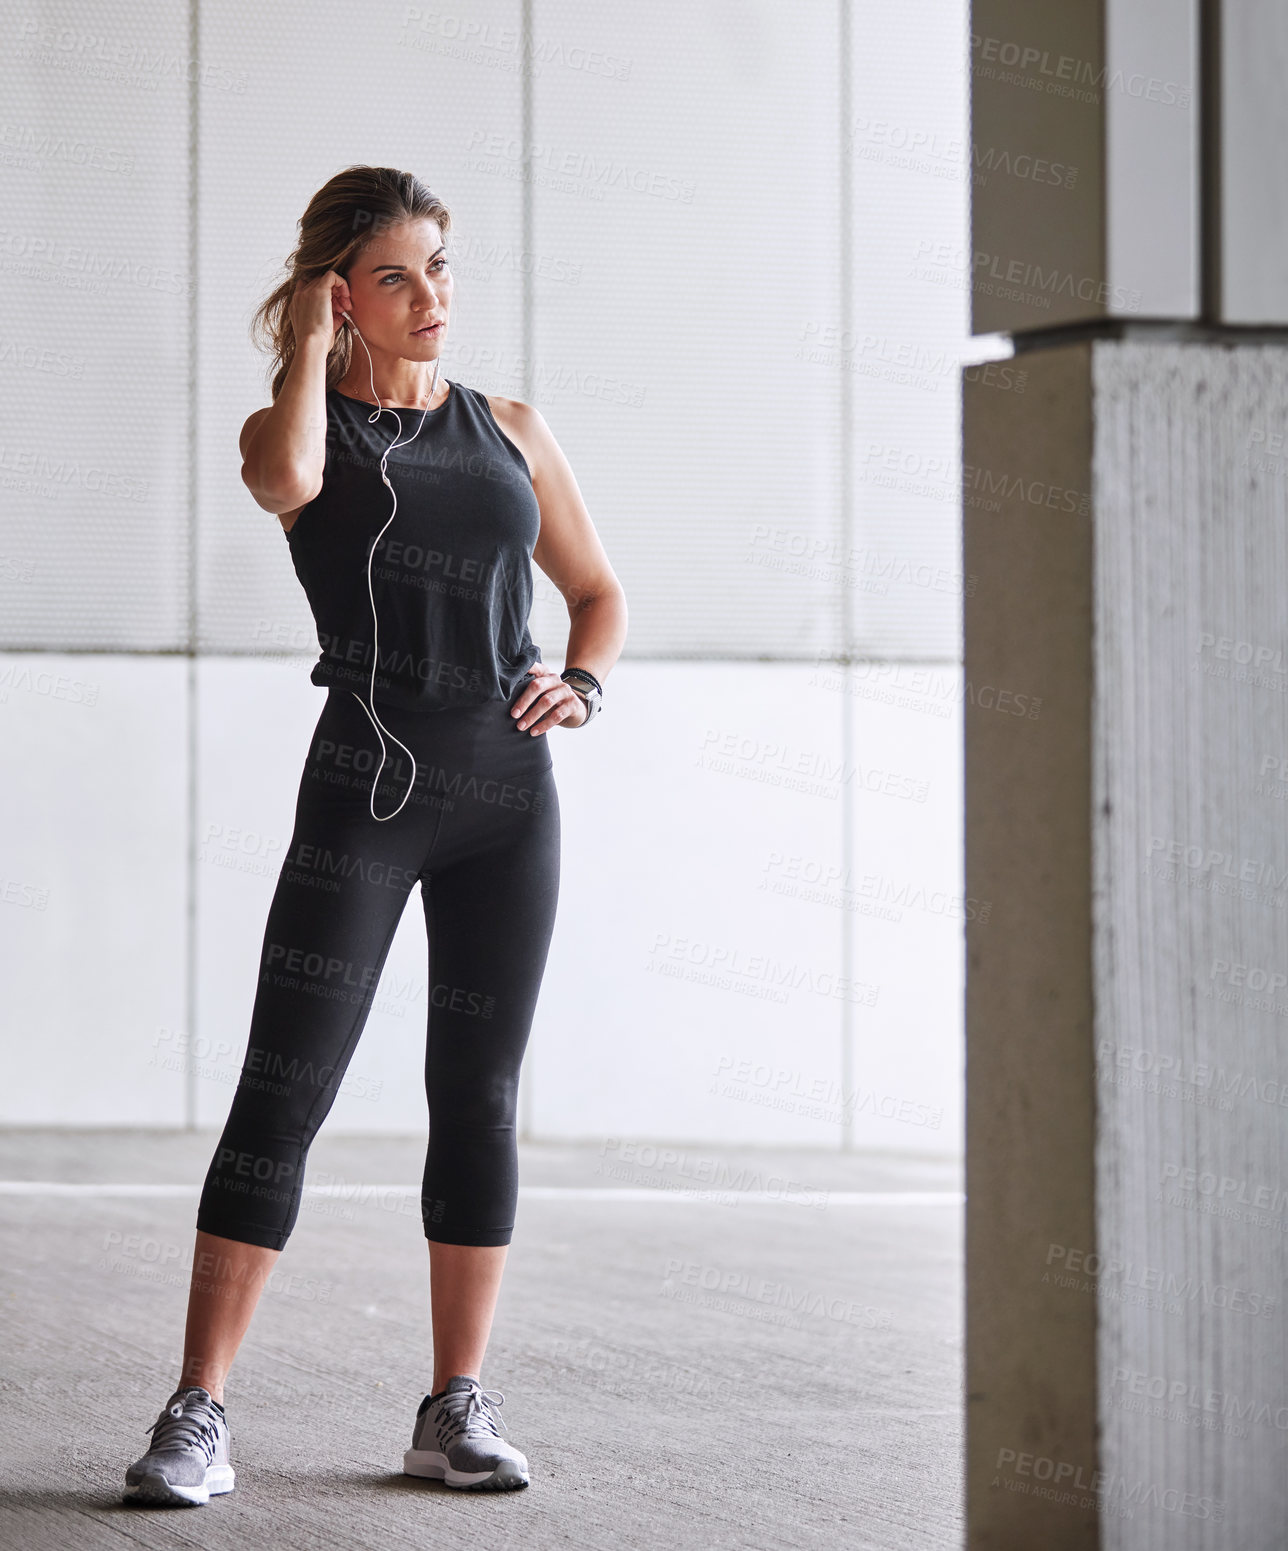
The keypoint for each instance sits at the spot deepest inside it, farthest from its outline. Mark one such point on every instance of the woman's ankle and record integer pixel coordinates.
(213, 1388)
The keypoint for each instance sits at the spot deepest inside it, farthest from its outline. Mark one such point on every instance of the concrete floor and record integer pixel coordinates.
(656, 1410)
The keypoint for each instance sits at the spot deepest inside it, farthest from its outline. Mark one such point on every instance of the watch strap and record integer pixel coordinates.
(569, 674)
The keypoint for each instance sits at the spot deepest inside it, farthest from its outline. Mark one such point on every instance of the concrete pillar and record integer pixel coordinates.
(1085, 155)
(1127, 1000)
(1126, 758)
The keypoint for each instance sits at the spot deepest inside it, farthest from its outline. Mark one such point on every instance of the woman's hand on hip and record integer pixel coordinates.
(547, 701)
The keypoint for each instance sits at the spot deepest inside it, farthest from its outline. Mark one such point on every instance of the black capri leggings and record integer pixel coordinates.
(480, 833)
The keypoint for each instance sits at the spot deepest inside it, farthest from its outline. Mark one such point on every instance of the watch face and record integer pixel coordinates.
(586, 692)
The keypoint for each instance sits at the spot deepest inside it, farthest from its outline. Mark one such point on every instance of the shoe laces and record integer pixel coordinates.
(190, 1426)
(469, 1411)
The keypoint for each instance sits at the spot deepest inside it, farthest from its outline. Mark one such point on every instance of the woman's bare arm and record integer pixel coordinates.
(283, 447)
(568, 549)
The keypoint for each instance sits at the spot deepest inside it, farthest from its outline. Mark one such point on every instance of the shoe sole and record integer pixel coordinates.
(431, 1465)
(154, 1489)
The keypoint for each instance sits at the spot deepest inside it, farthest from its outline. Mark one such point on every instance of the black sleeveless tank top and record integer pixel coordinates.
(451, 576)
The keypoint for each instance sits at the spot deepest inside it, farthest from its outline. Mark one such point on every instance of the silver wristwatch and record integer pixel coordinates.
(588, 687)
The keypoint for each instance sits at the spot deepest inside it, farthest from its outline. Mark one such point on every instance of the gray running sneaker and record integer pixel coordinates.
(188, 1461)
(456, 1440)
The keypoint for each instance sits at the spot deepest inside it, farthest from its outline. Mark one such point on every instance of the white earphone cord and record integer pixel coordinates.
(375, 624)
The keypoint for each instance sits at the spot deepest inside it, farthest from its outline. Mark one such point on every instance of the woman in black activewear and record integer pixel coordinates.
(412, 507)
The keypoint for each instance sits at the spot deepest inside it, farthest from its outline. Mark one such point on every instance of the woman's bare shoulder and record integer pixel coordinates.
(523, 425)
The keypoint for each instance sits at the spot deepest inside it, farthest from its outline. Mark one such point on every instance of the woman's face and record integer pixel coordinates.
(399, 283)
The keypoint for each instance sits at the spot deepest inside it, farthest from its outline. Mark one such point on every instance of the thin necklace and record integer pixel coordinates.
(409, 408)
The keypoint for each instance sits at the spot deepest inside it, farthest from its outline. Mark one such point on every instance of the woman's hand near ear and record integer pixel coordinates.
(316, 306)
